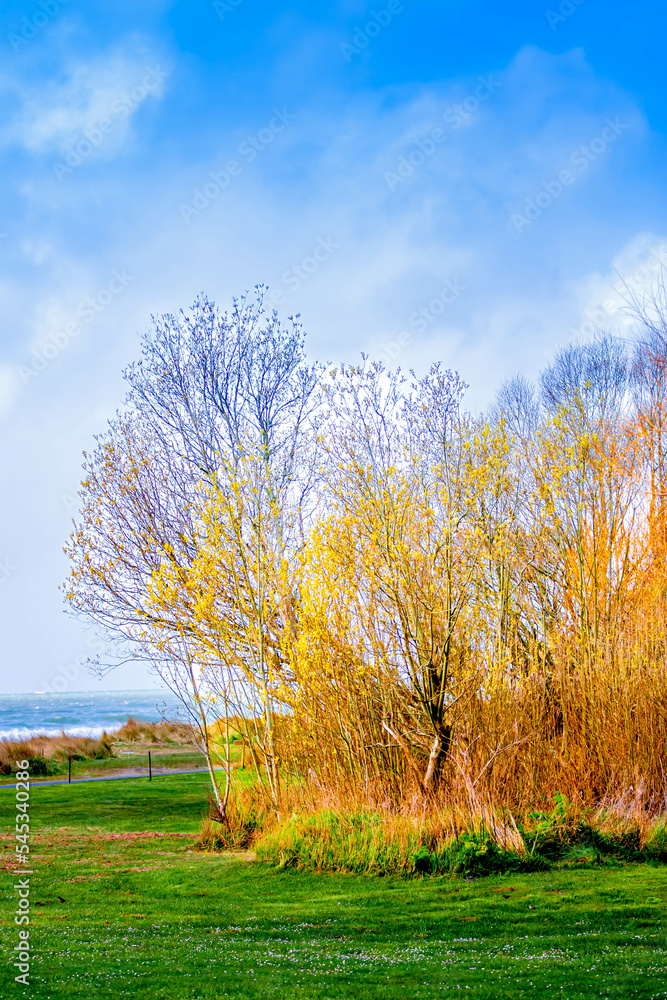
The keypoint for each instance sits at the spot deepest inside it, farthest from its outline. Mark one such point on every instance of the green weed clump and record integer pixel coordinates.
(39, 766)
(245, 818)
(373, 842)
(656, 842)
(476, 852)
(369, 843)
(567, 834)
(327, 840)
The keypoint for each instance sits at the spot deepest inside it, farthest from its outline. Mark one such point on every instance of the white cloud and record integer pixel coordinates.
(322, 177)
(604, 300)
(51, 114)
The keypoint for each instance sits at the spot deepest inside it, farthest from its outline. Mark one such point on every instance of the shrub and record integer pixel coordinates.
(423, 860)
(40, 766)
(656, 843)
(475, 852)
(547, 833)
(245, 819)
(366, 841)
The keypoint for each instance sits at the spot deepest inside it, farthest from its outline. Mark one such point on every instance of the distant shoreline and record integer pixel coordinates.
(87, 714)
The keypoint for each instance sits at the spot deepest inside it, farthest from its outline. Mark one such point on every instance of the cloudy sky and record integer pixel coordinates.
(457, 181)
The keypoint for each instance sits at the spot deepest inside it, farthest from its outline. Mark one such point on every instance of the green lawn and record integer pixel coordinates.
(151, 918)
(168, 803)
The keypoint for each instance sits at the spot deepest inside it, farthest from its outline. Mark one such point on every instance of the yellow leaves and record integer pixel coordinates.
(433, 562)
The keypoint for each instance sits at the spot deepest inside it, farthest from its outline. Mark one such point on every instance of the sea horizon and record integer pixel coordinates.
(81, 713)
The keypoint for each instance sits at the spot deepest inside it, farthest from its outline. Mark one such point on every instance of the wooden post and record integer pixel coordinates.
(69, 772)
(150, 767)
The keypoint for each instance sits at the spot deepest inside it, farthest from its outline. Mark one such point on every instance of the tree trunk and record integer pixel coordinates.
(439, 751)
(222, 806)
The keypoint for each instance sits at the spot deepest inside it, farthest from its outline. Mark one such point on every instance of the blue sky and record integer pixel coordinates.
(423, 181)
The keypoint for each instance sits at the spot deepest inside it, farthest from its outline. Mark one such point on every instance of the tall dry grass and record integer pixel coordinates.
(154, 732)
(44, 751)
(595, 732)
(41, 750)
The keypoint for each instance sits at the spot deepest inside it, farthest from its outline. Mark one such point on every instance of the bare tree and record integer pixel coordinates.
(517, 404)
(595, 374)
(220, 406)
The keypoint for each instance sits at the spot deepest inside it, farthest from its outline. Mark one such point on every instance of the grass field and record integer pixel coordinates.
(169, 803)
(149, 917)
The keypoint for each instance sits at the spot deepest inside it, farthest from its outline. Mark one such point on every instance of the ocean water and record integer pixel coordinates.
(80, 713)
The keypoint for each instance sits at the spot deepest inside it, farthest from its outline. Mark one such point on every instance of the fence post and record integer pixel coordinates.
(69, 771)
(150, 767)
